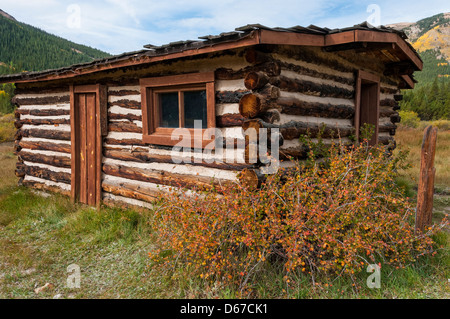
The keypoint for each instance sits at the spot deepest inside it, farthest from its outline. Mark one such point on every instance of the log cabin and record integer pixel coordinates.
(103, 131)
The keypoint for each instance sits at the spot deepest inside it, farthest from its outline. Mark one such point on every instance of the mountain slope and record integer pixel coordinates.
(431, 38)
(31, 49)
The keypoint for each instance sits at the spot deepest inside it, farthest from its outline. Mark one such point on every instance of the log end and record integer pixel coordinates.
(249, 105)
(249, 178)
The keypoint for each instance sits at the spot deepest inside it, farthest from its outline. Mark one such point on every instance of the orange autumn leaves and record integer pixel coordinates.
(330, 217)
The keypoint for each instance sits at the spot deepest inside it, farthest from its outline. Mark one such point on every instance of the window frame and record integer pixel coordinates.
(152, 133)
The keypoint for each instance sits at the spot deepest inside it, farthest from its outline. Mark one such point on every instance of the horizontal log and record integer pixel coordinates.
(42, 121)
(230, 96)
(131, 191)
(41, 100)
(294, 129)
(129, 116)
(42, 112)
(59, 161)
(386, 112)
(45, 187)
(270, 68)
(251, 105)
(129, 104)
(128, 141)
(310, 88)
(50, 134)
(124, 127)
(46, 146)
(123, 92)
(388, 102)
(161, 177)
(387, 127)
(228, 120)
(302, 70)
(45, 173)
(148, 157)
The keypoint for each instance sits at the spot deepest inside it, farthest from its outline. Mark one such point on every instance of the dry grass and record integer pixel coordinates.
(411, 139)
(8, 164)
(7, 129)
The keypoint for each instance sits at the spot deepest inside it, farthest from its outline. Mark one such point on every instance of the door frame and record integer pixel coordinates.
(101, 129)
(364, 77)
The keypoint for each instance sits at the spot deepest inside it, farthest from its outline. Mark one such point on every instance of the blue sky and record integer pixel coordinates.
(117, 26)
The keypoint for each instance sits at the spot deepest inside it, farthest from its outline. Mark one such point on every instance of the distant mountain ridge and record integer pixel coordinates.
(431, 38)
(27, 48)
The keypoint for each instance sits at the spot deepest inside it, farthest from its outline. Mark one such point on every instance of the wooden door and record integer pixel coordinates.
(86, 119)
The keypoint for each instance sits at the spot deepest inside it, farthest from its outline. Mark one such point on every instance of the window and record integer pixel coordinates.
(367, 101)
(172, 102)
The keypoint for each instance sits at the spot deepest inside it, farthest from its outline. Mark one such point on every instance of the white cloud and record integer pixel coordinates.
(118, 26)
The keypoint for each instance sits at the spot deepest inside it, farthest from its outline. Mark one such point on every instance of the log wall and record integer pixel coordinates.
(296, 90)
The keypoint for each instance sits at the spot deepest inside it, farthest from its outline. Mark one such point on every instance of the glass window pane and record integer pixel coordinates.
(195, 108)
(169, 114)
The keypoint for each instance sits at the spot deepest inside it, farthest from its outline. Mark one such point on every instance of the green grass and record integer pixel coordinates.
(41, 236)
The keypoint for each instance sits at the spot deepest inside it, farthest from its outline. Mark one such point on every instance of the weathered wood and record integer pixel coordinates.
(42, 121)
(316, 74)
(122, 92)
(42, 112)
(50, 134)
(251, 106)
(129, 116)
(161, 177)
(127, 141)
(131, 191)
(387, 127)
(270, 68)
(129, 104)
(47, 146)
(45, 187)
(399, 68)
(310, 88)
(256, 80)
(124, 127)
(229, 120)
(230, 96)
(147, 157)
(47, 174)
(250, 178)
(388, 102)
(425, 191)
(59, 161)
(294, 129)
(254, 56)
(41, 100)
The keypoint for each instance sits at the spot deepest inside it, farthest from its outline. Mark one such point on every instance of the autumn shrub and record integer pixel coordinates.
(7, 129)
(324, 218)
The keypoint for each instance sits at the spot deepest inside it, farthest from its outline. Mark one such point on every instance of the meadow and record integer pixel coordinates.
(42, 234)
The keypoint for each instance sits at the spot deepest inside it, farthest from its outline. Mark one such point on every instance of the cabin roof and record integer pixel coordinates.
(357, 36)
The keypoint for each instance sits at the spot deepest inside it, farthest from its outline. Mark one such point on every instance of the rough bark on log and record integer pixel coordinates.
(310, 88)
(124, 127)
(250, 178)
(41, 100)
(129, 104)
(123, 92)
(230, 96)
(228, 120)
(46, 146)
(50, 134)
(251, 105)
(59, 161)
(47, 174)
(129, 116)
(128, 141)
(44, 112)
(161, 177)
(42, 121)
(256, 80)
(146, 157)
